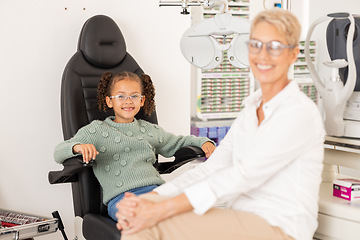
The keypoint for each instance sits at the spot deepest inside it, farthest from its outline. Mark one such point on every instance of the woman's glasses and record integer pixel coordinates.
(274, 48)
(123, 98)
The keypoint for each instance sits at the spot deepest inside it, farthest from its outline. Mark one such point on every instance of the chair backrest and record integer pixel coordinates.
(101, 48)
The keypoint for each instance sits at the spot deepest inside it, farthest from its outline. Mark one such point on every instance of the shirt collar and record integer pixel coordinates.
(254, 100)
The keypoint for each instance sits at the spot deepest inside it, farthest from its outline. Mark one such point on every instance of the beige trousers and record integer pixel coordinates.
(216, 224)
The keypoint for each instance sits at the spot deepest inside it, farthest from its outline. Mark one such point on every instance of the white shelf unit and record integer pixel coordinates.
(338, 218)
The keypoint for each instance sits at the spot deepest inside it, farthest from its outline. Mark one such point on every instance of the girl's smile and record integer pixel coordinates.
(125, 108)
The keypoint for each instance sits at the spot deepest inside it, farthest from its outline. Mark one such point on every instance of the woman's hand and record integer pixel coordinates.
(135, 214)
(88, 151)
(208, 148)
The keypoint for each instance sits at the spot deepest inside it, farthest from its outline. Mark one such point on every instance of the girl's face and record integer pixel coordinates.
(124, 107)
(268, 69)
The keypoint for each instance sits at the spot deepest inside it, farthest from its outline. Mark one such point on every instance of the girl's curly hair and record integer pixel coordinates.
(108, 80)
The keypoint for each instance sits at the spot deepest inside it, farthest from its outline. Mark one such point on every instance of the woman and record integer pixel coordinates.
(267, 169)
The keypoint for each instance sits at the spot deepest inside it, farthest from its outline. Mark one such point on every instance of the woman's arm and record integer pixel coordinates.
(137, 213)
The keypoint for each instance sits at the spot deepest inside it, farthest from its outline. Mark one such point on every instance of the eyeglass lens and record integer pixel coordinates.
(123, 98)
(274, 48)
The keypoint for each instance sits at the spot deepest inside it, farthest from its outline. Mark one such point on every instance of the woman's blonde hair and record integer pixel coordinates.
(285, 21)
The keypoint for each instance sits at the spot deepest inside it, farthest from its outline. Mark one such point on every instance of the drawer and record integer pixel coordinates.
(333, 228)
(23, 225)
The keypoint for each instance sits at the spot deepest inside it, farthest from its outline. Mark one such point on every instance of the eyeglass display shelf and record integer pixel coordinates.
(300, 66)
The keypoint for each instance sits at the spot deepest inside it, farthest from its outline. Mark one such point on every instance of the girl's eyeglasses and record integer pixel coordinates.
(123, 98)
(274, 48)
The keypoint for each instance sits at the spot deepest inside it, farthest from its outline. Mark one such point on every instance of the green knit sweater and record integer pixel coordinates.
(126, 152)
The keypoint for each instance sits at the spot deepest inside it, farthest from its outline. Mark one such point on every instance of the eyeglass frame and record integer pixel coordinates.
(267, 46)
(116, 97)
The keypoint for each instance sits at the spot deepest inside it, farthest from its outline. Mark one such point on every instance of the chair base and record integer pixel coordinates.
(93, 222)
(78, 222)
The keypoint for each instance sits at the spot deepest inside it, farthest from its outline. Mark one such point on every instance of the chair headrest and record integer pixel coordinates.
(102, 42)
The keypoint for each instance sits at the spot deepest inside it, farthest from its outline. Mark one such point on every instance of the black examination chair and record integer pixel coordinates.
(101, 48)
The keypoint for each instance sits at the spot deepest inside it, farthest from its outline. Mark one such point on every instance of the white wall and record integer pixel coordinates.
(36, 40)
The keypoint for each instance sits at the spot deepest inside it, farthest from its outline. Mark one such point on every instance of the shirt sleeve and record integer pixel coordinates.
(288, 136)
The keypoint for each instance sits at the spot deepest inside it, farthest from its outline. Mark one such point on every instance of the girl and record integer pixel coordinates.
(123, 148)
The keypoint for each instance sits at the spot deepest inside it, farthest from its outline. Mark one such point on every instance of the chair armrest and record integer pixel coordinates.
(182, 156)
(69, 173)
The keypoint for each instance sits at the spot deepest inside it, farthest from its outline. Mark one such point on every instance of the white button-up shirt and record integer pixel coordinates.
(272, 169)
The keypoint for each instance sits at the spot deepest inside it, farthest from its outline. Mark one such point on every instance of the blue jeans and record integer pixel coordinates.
(137, 191)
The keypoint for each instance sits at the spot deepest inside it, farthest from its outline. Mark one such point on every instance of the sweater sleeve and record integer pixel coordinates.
(170, 143)
(64, 150)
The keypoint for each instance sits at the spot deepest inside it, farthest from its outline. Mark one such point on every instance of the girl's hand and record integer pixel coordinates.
(208, 148)
(88, 151)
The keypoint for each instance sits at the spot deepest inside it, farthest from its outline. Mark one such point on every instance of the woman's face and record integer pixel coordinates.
(125, 108)
(266, 68)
